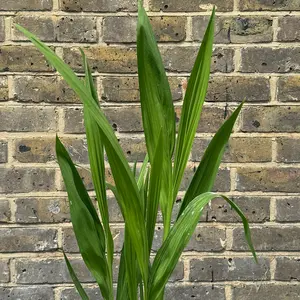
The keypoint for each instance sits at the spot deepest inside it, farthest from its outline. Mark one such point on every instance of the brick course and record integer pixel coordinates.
(256, 57)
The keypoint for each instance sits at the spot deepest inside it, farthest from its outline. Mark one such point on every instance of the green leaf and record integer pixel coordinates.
(75, 280)
(192, 105)
(157, 108)
(168, 255)
(207, 170)
(96, 158)
(124, 179)
(86, 224)
(122, 287)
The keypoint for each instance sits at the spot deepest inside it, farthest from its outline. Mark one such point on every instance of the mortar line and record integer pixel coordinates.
(189, 30)
(275, 29)
(236, 6)
(237, 59)
(228, 292)
(100, 29)
(273, 211)
(274, 150)
(7, 24)
(274, 90)
(55, 7)
(273, 263)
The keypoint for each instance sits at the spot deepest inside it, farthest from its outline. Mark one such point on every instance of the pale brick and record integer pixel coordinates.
(28, 239)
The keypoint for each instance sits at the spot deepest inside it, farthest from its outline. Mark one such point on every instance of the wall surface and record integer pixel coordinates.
(256, 56)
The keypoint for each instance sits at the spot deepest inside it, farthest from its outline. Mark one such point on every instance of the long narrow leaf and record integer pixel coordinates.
(75, 280)
(207, 170)
(192, 105)
(124, 179)
(86, 224)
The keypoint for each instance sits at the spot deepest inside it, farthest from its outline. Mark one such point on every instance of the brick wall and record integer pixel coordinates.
(256, 56)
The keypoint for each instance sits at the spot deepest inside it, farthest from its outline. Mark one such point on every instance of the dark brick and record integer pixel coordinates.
(246, 29)
(268, 179)
(27, 293)
(103, 59)
(254, 5)
(26, 5)
(22, 59)
(3, 152)
(226, 269)
(41, 26)
(4, 275)
(288, 150)
(266, 291)
(98, 5)
(269, 60)
(288, 30)
(287, 210)
(25, 180)
(41, 150)
(271, 119)
(3, 89)
(72, 294)
(123, 29)
(115, 215)
(287, 269)
(187, 292)
(256, 210)
(77, 29)
(237, 89)
(238, 150)
(268, 239)
(134, 148)
(175, 59)
(47, 89)
(5, 213)
(27, 119)
(126, 89)
(49, 271)
(28, 239)
(289, 89)
(42, 210)
(191, 6)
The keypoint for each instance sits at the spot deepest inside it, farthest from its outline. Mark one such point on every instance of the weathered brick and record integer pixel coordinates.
(233, 268)
(191, 6)
(24, 180)
(204, 239)
(256, 210)
(222, 182)
(49, 89)
(175, 59)
(103, 59)
(238, 150)
(2, 29)
(22, 59)
(28, 239)
(236, 89)
(77, 29)
(41, 150)
(5, 213)
(123, 29)
(287, 209)
(187, 292)
(98, 5)
(266, 291)
(27, 293)
(288, 30)
(42, 210)
(4, 267)
(115, 215)
(26, 119)
(268, 239)
(271, 119)
(249, 5)
(134, 148)
(126, 89)
(246, 29)
(3, 89)
(289, 89)
(41, 26)
(72, 294)
(3, 152)
(287, 269)
(49, 271)
(26, 5)
(268, 179)
(267, 60)
(288, 150)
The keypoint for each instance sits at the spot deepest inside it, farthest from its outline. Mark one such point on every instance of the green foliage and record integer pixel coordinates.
(157, 184)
